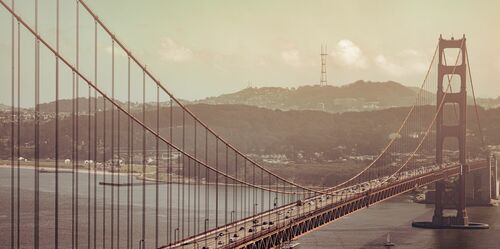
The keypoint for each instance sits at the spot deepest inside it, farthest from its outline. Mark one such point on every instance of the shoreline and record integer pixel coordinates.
(138, 176)
(65, 170)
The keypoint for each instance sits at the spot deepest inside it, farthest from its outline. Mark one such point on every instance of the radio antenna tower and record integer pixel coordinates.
(323, 79)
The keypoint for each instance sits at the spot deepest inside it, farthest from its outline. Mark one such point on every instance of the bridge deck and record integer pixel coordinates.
(274, 227)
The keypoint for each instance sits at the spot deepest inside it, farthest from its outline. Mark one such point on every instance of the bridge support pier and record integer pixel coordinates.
(481, 185)
(495, 183)
(461, 219)
(439, 204)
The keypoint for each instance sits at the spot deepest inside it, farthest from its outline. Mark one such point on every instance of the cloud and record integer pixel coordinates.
(292, 57)
(348, 53)
(389, 67)
(171, 51)
(409, 61)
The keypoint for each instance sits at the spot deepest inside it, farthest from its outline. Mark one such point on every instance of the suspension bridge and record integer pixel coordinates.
(132, 183)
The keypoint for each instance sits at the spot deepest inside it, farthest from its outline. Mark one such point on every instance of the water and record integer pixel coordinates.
(364, 229)
(368, 229)
(182, 196)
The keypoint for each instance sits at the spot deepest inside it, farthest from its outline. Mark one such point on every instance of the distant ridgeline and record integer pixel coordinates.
(357, 96)
(354, 97)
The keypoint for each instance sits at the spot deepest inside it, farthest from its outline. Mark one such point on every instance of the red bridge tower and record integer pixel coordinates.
(457, 131)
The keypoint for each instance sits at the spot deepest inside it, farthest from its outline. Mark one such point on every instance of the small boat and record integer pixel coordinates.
(388, 242)
(44, 170)
(290, 245)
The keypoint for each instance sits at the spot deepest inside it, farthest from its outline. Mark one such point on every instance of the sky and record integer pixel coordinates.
(206, 48)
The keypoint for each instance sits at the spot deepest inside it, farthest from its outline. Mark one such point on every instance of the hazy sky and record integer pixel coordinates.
(205, 48)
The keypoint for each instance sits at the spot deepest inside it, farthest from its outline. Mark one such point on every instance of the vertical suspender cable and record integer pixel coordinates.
(18, 237)
(269, 197)
(95, 135)
(113, 161)
(56, 200)
(73, 161)
(170, 174)
(157, 163)
(262, 191)
(143, 160)
(131, 179)
(189, 197)
(188, 209)
(104, 175)
(183, 171)
(131, 156)
(129, 163)
(254, 194)
(89, 155)
(207, 191)
(217, 182)
(225, 189)
(12, 214)
(37, 116)
(89, 164)
(77, 79)
(244, 191)
(119, 161)
(197, 186)
(235, 190)
(179, 201)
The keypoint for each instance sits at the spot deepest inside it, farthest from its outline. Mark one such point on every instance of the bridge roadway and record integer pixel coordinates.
(272, 228)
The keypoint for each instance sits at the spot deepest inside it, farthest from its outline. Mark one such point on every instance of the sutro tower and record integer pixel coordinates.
(323, 80)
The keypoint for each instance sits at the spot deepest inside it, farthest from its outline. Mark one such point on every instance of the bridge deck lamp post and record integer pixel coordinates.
(206, 228)
(235, 227)
(232, 216)
(176, 232)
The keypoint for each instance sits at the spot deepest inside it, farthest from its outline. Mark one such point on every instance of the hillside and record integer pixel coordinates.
(264, 131)
(354, 97)
(357, 96)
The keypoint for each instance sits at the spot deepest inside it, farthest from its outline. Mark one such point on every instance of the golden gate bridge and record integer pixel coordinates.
(135, 184)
